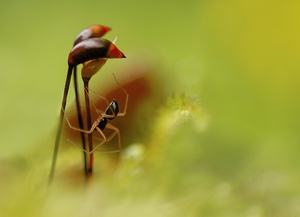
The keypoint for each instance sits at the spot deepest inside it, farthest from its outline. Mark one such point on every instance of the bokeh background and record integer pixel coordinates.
(221, 140)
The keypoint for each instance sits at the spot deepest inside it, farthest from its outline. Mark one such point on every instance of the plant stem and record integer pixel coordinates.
(61, 118)
(80, 122)
(89, 125)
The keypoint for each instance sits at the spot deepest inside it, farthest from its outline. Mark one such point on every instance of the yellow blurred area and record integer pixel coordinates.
(260, 37)
(254, 47)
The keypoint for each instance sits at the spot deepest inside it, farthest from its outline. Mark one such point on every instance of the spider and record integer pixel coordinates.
(111, 112)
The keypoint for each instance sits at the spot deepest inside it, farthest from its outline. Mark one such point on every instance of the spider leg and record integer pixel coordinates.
(115, 130)
(102, 114)
(109, 138)
(78, 129)
(90, 152)
(78, 146)
(120, 114)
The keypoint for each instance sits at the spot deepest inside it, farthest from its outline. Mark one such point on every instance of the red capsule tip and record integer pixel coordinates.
(99, 30)
(114, 52)
(94, 31)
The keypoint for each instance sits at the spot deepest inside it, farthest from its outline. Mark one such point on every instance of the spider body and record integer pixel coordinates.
(112, 110)
(102, 122)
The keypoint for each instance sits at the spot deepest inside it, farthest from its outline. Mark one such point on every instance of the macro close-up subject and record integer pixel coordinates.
(150, 108)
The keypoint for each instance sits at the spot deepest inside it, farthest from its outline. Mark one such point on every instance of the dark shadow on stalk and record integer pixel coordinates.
(89, 126)
(80, 122)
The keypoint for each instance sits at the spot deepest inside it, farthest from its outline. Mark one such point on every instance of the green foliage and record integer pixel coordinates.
(220, 136)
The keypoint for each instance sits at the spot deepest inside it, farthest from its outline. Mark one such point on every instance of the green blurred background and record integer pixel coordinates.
(240, 59)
